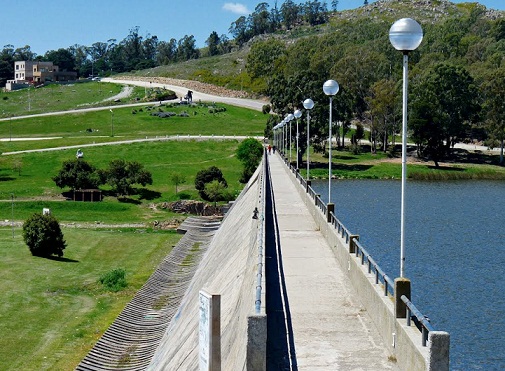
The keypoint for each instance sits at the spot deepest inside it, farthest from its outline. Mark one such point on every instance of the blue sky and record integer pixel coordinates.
(58, 24)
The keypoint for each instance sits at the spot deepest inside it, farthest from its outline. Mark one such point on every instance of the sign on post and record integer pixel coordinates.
(210, 332)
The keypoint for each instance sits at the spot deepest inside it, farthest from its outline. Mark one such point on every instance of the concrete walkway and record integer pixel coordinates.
(331, 330)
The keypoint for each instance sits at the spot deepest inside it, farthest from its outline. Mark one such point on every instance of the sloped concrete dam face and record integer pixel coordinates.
(228, 268)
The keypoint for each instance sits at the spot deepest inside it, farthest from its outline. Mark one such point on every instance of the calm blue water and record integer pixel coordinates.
(455, 254)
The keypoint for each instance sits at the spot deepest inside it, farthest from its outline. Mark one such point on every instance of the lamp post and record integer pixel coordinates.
(308, 104)
(111, 122)
(290, 118)
(297, 114)
(405, 35)
(330, 88)
(285, 138)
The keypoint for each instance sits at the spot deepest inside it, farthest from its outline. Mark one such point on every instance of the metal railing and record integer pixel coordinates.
(380, 276)
(261, 235)
(422, 322)
(340, 228)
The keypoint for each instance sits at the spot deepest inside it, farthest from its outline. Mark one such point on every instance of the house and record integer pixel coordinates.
(36, 73)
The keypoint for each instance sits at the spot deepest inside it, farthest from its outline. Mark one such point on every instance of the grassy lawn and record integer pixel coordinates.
(128, 123)
(365, 165)
(55, 97)
(53, 311)
(33, 187)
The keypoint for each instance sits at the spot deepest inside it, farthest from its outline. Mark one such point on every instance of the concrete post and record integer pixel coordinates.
(330, 208)
(402, 287)
(352, 248)
(439, 351)
(309, 183)
(256, 343)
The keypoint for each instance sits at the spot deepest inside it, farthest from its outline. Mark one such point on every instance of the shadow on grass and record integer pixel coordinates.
(63, 260)
(341, 167)
(127, 200)
(6, 178)
(446, 168)
(147, 194)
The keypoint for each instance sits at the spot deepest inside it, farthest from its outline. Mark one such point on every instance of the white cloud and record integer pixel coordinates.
(236, 8)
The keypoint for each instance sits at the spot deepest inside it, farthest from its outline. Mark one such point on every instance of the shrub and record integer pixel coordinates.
(42, 234)
(114, 280)
(206, 176)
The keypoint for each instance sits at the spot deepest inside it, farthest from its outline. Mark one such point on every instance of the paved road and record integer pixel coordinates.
(182, 90)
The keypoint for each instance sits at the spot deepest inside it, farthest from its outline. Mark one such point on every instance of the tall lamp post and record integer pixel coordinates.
(308, 104)
(111, 122)
(290, 118)
(405, 35)
(297, 114)
(330, 88)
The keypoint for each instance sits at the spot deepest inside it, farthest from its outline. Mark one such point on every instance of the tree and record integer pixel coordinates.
(122, 175)
(494, 91)
(383, 106)
(290, 13)
(186, 49)
(239, 31)
(249, 152)
(450, 95)
(63, 58)
(42, 234)
(263, 57)
(176, 179)
(214, 190)
(213, 43)
(78, 174)
(206, 176)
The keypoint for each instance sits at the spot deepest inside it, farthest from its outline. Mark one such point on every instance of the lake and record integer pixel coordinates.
(454, 249)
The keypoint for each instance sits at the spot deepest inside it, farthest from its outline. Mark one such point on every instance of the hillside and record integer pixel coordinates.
(229, 70)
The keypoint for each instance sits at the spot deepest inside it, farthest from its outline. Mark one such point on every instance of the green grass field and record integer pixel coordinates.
(53, 311)
(55, 97)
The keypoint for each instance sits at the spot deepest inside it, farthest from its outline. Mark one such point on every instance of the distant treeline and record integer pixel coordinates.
(136, 52)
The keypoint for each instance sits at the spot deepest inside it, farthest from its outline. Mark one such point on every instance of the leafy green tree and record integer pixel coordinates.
(42, 234)
(249, 152)
(316, 12)
(167, 51)
(494, 91)
(186, 49)
(239, 30)
(215, 190)
(78, 174)
(427, 131)
(63, 58)
(122, 175)
(264, 57)
(290, 13)
(384, 107)
(259, 20)
(206, 176)
(176, 179)
(452, 95)
(213, 43)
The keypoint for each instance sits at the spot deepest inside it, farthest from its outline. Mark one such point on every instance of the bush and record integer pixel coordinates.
(42, 234)
(206, 176)
(115, 280)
